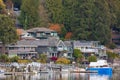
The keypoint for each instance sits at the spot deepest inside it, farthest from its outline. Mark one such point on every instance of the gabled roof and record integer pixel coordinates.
(42, 29)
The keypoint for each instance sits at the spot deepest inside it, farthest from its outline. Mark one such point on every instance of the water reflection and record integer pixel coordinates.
(56, 76)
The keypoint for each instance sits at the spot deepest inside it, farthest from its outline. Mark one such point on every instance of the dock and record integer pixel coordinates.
(18, 73)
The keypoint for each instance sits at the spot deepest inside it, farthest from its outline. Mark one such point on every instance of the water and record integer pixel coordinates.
(59, 76)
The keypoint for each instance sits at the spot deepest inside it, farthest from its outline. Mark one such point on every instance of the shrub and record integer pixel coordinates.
(92, 58)
(111, 46)
(63, 61)
(23, 61)
(14, 59)
(4, 58)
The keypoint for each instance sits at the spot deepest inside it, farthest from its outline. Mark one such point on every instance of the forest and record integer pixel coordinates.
(73, 19)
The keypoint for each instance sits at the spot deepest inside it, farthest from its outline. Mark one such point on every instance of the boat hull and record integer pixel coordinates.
(102, 71)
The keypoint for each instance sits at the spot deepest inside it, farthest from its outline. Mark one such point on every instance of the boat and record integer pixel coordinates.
(101, 67)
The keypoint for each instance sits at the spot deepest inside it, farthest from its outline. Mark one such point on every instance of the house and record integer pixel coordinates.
(42, 33)
(26, 49)
(69, 49)
(115, 36)
(90, 47)
(54, 48)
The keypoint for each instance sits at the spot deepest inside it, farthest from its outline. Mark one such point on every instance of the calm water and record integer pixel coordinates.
(59, 76)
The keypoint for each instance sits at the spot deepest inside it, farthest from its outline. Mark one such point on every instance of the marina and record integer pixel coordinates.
(53, 72)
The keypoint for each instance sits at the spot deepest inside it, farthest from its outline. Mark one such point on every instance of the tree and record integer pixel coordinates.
(4, 58)
(17, 3)
(54, 8)
(43, 14)
(84, 19)
(8, 32)
(111, 55)
(68, 35)
(43, 58)
(56, 27)
(76, 52)
(101, 27)
(78, 55)
(92, 58)
(29, 16)
(2, 6)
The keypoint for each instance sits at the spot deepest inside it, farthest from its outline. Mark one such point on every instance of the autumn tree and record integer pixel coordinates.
(58, 28)
(2, 6)
(55, 27)
(68, 35)
(8, 32)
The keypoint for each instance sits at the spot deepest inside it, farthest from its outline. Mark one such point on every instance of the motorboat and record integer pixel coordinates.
(101, 67)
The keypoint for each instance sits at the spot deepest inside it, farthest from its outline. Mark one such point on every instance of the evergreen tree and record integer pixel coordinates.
(54, 8)
(43, 14)
(17, 3)
(29, 16)
(101, 27)
(8, 32)
(84, 19)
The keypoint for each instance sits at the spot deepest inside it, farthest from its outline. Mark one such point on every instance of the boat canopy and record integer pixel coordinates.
(99, 63)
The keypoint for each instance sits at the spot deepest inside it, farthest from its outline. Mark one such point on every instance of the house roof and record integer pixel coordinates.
(84, 43)
(40, 42)
(68, 43)
(33, 42)
(42, 29)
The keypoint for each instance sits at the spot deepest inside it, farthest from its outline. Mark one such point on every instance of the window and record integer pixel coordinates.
(11, 48)
(69, 54)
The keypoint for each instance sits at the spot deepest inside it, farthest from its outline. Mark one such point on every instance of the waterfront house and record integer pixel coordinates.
(69, 49)
(27, 48)
(23, 48)
(53, 47)
(42, 33)
(115, 35)
(90, 47)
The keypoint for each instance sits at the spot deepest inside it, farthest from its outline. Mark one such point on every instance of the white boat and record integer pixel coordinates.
(101, 67)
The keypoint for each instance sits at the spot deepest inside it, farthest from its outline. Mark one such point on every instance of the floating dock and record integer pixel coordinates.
(18, 73)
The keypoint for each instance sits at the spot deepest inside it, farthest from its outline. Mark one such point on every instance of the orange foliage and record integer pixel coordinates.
(68, 35)
(56, 27)
(19, 32)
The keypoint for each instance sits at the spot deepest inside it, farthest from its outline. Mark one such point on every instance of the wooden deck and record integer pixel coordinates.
(18, 73)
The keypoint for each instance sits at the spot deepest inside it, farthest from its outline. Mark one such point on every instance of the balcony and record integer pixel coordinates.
(88, 50)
